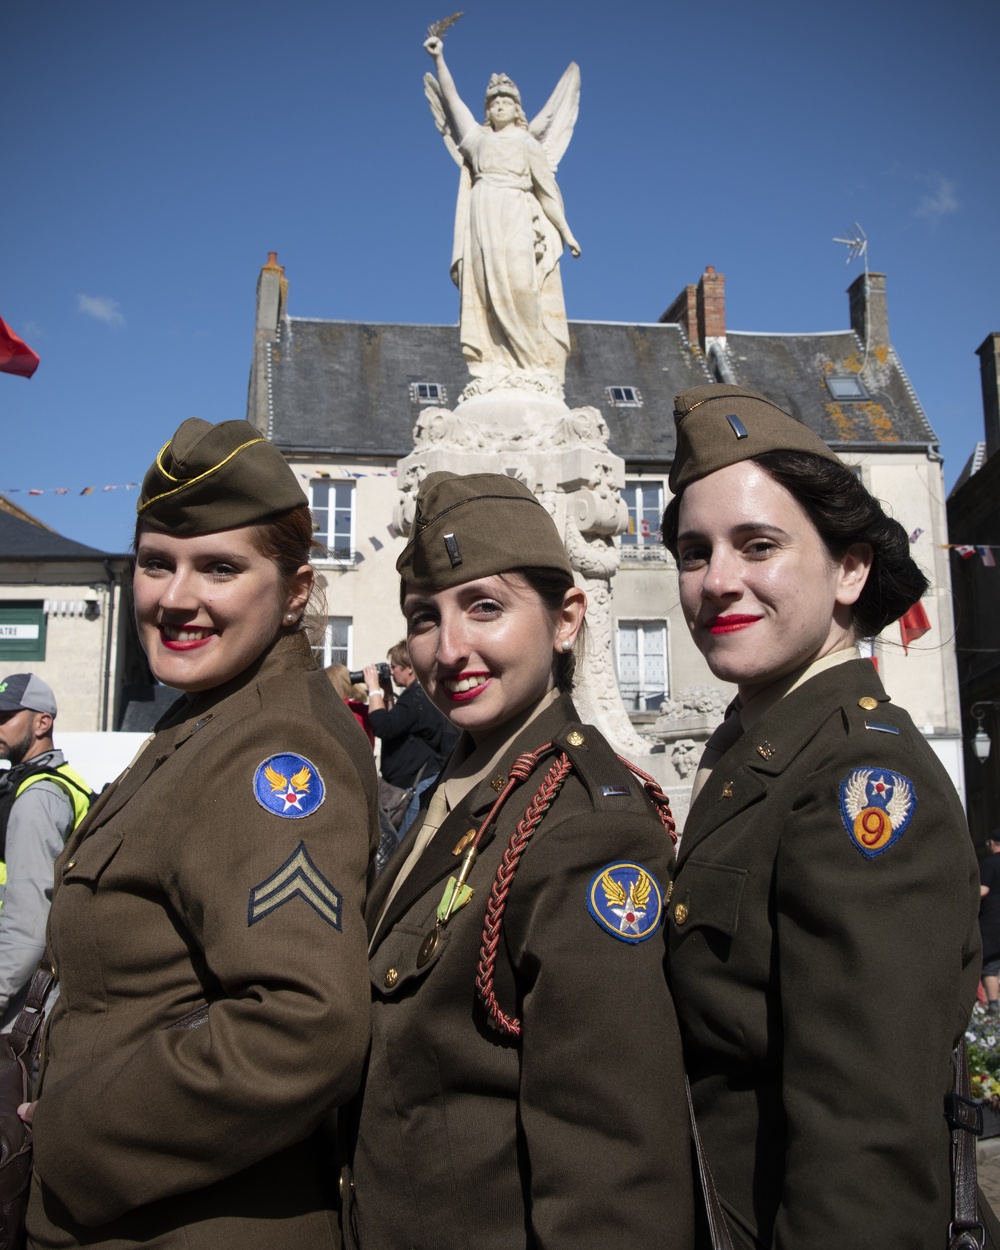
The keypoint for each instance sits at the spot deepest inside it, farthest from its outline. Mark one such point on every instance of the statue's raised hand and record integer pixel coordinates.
(434, 46)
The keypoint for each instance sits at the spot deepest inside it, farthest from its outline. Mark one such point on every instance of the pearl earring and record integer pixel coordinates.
(289, 617)
(567, 644)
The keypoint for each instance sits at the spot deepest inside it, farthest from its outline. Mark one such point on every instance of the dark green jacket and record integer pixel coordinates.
(820, 989)
(575, 1137)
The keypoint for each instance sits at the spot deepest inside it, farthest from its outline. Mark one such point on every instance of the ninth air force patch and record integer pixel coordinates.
(876, 805)
(626, 901)
(288, 785)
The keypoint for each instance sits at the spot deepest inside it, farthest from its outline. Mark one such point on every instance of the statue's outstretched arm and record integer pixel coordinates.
(547, 193)
(460, 118)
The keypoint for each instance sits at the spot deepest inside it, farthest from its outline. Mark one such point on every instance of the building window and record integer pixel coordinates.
(623, 396)
(22, 630)
(427, 393)
(333, 517)
(336, 645)
(644, 501)
(846, 386)
(642, 664)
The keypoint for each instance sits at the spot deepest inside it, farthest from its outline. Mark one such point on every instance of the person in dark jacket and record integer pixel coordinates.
(989, 920)
(822, 939)
(524, 1086)
(416, 738)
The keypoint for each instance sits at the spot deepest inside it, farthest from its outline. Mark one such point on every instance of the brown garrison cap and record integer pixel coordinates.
(216, 477)
(474, 525)
(721, 425)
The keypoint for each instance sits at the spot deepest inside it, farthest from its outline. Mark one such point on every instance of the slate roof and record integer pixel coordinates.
(792, 369)
(343, 388)
(22, 540)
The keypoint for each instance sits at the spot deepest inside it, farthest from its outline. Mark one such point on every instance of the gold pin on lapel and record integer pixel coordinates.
(727, 790)
(463, 842)
(766, 750)
(498, 783)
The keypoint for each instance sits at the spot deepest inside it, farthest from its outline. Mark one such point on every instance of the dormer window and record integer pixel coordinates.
(623, 396)
(846, 386)
(427, 393)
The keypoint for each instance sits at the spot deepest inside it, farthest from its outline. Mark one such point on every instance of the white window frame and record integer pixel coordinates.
(634, 698)
(638, 540)
(330, 649)
(629, 397)
(340, 488)
(439, 395)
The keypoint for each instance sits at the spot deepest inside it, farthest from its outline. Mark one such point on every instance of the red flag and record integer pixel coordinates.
(15, 355)
(913, 624)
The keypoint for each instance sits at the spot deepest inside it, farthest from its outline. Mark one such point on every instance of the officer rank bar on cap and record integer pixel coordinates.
(708, 418)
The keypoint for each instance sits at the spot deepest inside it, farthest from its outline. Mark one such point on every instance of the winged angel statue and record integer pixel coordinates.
(510, 228)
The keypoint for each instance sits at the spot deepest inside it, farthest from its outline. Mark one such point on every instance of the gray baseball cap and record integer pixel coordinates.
(25, 690)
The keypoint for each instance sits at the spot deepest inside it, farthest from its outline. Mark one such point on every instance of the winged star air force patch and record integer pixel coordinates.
(298, 877)
(626, 901)
(876, 805)
(288, 785)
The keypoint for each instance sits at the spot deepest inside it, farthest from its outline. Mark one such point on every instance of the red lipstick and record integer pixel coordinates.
(730, 623)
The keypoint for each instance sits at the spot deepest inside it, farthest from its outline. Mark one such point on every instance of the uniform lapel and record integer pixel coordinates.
(741, 776)
(438, 861)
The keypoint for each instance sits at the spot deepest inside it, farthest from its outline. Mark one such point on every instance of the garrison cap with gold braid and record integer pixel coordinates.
(720, 425)
(216, 477)
(475, 525)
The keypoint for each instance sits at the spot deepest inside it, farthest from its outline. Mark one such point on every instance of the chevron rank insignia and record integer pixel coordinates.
(626, 901)
(877, 805)
(288, 785)
(298, 877)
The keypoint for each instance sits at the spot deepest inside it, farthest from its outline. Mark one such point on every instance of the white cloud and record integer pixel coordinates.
(938, 204)
(100, 308)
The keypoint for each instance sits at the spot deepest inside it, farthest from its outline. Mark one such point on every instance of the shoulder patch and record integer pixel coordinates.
(288, 785)
(626, 901)
(877, 805)
(298, 877)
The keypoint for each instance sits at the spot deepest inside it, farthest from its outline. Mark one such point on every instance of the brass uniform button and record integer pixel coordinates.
(680, 913)
(575, 738)
(868, 703)
(391, 977)
(498, 783)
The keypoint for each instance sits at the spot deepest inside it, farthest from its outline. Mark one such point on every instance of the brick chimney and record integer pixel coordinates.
(989, 373)
(869, 315)
(272, 297)
(701, 310)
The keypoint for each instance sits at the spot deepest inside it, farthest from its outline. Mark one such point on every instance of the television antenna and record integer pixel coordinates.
(857, 248)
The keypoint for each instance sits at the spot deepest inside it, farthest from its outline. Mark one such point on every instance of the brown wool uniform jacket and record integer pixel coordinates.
(576, 1135)
(160, 1124)
(820, 991)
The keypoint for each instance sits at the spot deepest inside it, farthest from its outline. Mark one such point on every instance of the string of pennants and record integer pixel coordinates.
(67, 490)
(983, 550)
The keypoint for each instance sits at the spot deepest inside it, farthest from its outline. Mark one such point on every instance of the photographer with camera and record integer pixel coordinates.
(416, 738)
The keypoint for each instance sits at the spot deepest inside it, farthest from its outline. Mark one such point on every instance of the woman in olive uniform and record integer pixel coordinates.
(207, 918)
(525, 1084)
(822, 929)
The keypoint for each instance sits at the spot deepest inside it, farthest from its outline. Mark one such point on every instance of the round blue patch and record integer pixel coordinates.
(288, 785)
(626, 900)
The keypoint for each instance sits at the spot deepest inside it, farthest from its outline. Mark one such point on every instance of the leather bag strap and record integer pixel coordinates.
(717, 1227)
(966, 1120)
(25, 1028)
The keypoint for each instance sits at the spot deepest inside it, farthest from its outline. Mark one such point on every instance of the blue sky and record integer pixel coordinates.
(155, 153)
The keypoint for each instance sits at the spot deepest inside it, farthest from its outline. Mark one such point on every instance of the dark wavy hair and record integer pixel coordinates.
(844, 513)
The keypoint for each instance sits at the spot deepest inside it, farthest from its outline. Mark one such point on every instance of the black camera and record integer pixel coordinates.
(358, 678)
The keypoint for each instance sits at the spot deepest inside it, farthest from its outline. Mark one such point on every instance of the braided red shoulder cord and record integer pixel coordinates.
(540, 803)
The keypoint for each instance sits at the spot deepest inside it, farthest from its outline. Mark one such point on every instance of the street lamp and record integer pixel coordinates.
(981, 739)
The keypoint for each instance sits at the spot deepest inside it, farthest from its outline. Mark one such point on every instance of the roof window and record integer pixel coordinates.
(623, 396)
(846, 386)
(427, 393)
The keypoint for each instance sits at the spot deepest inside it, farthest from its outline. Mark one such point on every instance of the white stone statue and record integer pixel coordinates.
(510, 228)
